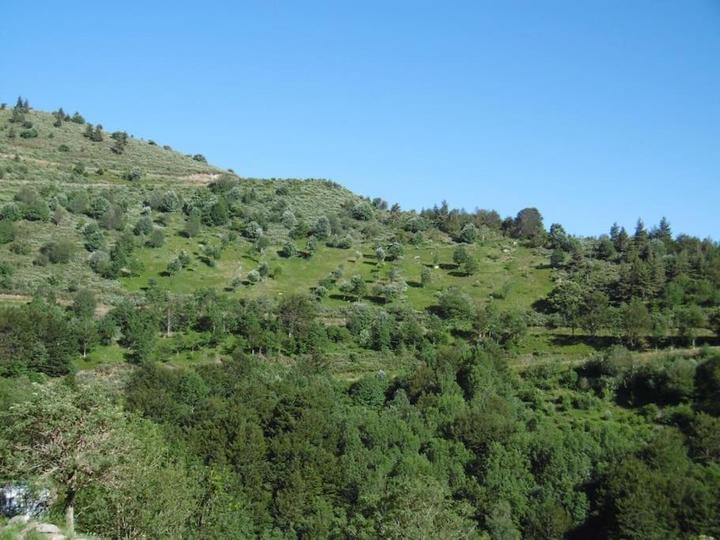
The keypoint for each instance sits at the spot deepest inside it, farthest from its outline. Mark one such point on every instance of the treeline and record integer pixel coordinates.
(645, 286)
(460, 447)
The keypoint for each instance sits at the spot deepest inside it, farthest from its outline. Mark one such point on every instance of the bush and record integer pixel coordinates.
(20, 247)
(288, 250)
(63, 148)
(164, 201)
(133, 175)
(10, 212)
(253, 276)
(157, 239)
(362, 211)
(113, 219)
(58, 252)
(143, 226)
(29, 133)
(7, 231)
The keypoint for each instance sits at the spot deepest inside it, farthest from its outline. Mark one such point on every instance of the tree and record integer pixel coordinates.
(468, 233)
(288, 250)
(113, 218)
(84, 304)
(460, 255)
(714, 321)
(144, 226)
(94, 238)
(395, 250)
(566, 298)
(636, 322)
(557, 258)
(193, 223)
(380, 255)
(594, 311)
(73, 439)
(174, 266)
(262, 242)
(455, 304)
(505, 328)
(528, 225)
(139, 332)
(470, 266)
(558, 238)
(689, 320)
(425, 276)
(157, 238)
(219, 213)
(86, 334)
(288, 219)
(358, 286)
(322, 229)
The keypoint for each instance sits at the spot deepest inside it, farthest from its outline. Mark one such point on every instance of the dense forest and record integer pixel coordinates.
(187, 353)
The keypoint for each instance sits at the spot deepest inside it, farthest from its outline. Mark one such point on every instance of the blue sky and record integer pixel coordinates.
(593, 111)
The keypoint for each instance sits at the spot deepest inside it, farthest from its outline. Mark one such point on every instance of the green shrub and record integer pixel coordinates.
(7, 231)
(58, 252)
(29, 133)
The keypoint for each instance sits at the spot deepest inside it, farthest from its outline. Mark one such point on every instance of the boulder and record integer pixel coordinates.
(47, 528)
(20, 519)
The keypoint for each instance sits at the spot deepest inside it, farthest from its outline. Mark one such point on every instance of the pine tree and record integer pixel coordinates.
(640, 237)
(620, 240)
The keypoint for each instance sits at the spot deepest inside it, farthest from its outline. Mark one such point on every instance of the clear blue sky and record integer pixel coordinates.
(593, 111)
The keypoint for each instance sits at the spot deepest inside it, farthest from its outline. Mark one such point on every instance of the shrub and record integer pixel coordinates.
(58, 252)
(10, 212)
(362, 211)
(322, 229)
(143, 226)
(63, 148)
(252, 230)
(133, 174)
(174, 266)
(199, 157)
(253, 276)
(93, 236)
(468, 234)
(29, 133)
(113, 218)
(157, 238)
(288, 250)
(20, 247)
(7, 231)
(97, 207)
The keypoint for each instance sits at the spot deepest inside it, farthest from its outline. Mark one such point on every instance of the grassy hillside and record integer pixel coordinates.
(61, 161)
(265, 239)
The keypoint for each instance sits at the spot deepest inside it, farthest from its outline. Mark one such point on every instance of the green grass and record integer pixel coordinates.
(101, 355)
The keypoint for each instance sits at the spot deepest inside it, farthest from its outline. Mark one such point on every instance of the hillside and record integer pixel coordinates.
(230, 357)
(90, 171)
